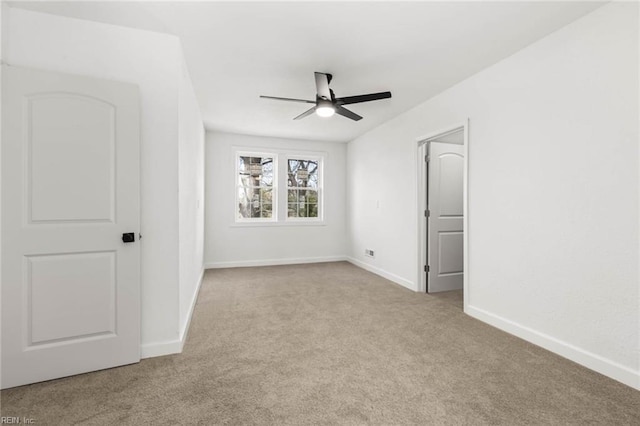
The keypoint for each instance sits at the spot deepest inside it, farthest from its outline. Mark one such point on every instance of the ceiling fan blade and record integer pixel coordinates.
(288, 99)
(363, 98)
(322, 85)
(346, 113)
(306, 113)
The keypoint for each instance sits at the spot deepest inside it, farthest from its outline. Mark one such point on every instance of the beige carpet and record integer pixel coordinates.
(332, 344)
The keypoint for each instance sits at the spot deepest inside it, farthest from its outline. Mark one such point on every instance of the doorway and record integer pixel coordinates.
(442, 211)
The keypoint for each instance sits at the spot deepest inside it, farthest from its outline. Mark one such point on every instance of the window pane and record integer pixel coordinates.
(266, 179)
(255, 168)
(313, 180)
(312, 210)
(242, 164)
(302, 173)
(302, 203)
(311, 196)
(255, 186)
(255, 171)
(255, 212)
(256, 202)
(266, 195)
(244, 197)
(292, 167)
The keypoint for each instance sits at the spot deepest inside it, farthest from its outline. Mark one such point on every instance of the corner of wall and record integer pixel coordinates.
(384, 274)
(578, 355)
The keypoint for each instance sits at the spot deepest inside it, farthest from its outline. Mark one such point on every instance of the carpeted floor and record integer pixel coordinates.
(332, 344)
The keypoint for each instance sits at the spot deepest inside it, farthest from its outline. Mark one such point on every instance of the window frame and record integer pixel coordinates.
(280, 213)
(274, 188)
(320, 172)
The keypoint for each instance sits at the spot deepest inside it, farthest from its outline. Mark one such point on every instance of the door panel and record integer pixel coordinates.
(450, 247)
(52, 315)
(63, 128)
(450, 173)
(70, 189)
(445, 224)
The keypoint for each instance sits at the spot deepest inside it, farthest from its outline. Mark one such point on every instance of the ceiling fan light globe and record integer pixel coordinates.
(325, 111)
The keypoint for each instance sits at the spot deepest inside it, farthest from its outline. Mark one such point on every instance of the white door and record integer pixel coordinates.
(445, 224)
(70, 189)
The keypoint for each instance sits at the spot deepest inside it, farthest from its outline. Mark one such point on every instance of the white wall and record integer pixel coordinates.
(3, 20)
(553, 191)
(190, 196)
(153, 61)
(227, 244)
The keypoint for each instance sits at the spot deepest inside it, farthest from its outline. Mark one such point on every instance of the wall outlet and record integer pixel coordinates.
(369, 253)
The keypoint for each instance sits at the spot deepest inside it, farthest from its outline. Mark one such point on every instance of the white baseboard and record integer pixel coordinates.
(192, 307)
(168, 347)
(273, 262)
(585, 358)
(171, 347)
(384, 274)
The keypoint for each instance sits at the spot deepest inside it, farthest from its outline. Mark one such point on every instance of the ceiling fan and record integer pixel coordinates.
(326, 103)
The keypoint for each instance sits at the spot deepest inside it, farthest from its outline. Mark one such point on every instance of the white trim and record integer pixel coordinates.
(421, 143)
(466, 279)
(384, 274)
(192, 306)
(285, 223)
(170, 347)
(273, 262)
(585, 358)
(422, 220)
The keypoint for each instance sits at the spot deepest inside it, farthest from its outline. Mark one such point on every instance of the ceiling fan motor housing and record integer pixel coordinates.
(327, 104)
(324, 108)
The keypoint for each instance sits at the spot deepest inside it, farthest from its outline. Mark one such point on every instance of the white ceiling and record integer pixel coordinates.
(236, 51)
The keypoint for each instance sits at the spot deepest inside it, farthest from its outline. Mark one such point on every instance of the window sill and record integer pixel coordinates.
(282, 223)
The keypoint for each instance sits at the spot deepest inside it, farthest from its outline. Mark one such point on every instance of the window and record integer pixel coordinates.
(302, 188)
(267, 195)
(255, 186)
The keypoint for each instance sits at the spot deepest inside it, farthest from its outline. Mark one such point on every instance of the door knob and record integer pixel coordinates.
(128, 237)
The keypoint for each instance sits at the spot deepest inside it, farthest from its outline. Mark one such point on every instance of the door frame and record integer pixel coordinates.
(422, 145)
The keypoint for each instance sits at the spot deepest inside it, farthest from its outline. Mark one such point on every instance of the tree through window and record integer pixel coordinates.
(278, 188)
(255, 187)
(302, 188)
